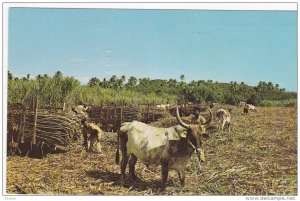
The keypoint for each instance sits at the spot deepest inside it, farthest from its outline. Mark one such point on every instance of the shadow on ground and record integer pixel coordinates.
(137, 184)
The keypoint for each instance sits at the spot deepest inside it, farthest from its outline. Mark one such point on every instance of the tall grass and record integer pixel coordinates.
(98, 95)
(53, 92)
(279, 103)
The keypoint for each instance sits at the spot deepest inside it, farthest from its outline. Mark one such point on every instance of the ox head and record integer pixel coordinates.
(82, 110)
(195, 133)
(219, 114)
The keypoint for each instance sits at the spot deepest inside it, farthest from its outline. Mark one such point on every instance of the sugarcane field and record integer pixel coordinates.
(130, 100)
(257, 157)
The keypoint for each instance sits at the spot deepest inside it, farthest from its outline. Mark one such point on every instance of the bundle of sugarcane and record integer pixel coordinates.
(169, 121)
(130, 114)
(94, 112)
(172, 121)
(188, 110)
(150, 117)
(165, 122)
(55, 131)
(51, 129)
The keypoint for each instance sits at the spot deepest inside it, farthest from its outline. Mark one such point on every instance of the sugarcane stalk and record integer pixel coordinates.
(33, 140)
(22, 125)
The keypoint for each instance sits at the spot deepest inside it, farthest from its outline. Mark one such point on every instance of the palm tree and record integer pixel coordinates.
(10, 76)
(243, 87)
(104, 83)
(132, 82)
(144, 81)
(113, 78)
(119, 84)
(93, 82)
(270, 86)
(172, 82)
(123, 78)
(261, 86)
(182, 77)
(57, 74)
(277, 87)
(233, 86)
(39, 76)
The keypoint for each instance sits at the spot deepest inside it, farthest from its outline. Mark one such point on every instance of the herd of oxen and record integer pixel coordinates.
(171, 147)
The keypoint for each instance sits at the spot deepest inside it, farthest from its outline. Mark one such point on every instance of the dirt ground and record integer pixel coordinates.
(259, 157)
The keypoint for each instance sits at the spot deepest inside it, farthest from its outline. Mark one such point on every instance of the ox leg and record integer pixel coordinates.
(124, 157)
(223, 124)
(165, 172)
(123, 166)
(181, 175)
(219, 124)
(132, 162)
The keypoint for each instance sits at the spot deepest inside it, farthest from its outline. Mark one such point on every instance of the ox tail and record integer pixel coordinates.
(117, 159)
(123, 129)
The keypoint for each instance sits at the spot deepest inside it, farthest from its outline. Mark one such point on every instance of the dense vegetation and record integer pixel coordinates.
(53, 91)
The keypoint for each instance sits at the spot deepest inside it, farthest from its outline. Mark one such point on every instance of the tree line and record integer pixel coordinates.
(53, 90)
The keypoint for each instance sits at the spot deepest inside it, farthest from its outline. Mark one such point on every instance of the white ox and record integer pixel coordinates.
(251, 107)
(224, 118)
(171, 147)
(242, 104)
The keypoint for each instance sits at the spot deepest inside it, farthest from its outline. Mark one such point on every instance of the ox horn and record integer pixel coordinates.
(180, 121)
(210, 118)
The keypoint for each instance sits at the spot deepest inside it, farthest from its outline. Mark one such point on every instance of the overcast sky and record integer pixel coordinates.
(223, 46)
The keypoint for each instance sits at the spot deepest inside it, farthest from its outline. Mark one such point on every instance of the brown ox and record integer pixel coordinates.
(92, 136)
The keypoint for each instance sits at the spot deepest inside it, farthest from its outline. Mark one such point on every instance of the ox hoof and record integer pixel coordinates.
(122, 182)
(133, 177)
(123, 178)
(162, 188)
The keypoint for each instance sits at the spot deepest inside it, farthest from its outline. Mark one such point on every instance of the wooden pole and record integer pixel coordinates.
(14, 143)
(100, 117)
(121, 115)
(33, 140)
(153, 114)
(64, 106)
(22, 125)
(107, 119)
(13, 124)
(115, 116)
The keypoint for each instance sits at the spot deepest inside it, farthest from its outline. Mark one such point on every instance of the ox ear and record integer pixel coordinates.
(183, 134)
